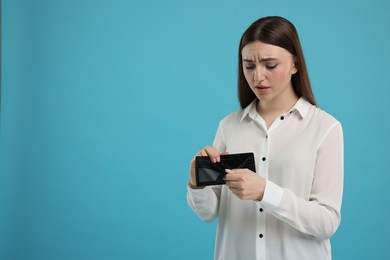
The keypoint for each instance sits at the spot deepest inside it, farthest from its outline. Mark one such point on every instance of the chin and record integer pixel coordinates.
(264, 97)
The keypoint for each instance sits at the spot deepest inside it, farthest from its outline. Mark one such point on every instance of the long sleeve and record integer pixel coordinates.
(320, 214)
(205, 202)
(300, 156)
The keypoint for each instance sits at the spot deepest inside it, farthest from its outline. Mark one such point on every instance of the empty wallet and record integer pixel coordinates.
(208, 173)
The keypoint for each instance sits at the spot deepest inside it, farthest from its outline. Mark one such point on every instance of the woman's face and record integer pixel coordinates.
(268, 70)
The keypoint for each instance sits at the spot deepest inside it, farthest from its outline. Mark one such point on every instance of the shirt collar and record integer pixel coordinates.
(302, 107)
(250, 110)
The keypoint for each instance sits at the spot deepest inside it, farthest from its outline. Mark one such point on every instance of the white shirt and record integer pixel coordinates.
(301, 158)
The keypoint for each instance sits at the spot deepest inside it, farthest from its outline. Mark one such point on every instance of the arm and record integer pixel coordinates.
(204, 201)
(320, 215)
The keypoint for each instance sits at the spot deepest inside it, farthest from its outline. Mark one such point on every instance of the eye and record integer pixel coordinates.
(271, 66)
(250, 67)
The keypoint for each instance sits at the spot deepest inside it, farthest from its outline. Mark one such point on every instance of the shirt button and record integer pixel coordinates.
(263, 159)
(261, 235)
(282, 117)
(261, 209)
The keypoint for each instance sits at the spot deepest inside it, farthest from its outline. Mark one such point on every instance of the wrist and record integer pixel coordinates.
(261, 189)
(194, 187)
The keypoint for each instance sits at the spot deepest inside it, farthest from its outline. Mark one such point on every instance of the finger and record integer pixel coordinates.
(202, 153)
(232, 175)
(236, 177)
(238, 171)
(235, 171)
(229, 177)
(232, 184)
(212, 153)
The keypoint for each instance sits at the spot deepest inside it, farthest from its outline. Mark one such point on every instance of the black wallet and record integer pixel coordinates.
(209, 173)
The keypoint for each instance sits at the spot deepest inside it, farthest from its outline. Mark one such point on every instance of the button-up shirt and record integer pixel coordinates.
(301, 158)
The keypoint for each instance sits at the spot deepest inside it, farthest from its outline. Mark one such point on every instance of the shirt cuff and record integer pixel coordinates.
(199, 194)
(273, 195)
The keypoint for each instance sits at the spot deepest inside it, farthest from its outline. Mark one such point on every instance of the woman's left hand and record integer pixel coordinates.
(245, 184)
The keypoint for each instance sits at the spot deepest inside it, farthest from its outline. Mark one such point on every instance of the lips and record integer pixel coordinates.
(262, 88)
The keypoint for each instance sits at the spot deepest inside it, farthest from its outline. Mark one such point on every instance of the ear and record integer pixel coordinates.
(295, 67)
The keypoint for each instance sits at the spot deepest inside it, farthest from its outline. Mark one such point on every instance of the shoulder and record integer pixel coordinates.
(322, 122)
(231, 119)
(237, 117)
(323, 117)
(313, 114)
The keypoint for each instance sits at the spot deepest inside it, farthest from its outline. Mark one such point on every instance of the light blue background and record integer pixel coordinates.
(104, 103)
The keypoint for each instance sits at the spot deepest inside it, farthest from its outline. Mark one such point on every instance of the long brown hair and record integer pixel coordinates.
(280, 32)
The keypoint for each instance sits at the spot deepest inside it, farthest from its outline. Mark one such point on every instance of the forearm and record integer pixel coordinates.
(317, 213)
(204, 202)
(308, 216)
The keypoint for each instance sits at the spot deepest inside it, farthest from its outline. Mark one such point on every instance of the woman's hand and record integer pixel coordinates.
(206, 151)
(245, 184)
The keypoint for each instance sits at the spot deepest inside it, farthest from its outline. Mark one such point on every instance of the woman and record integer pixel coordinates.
(291, 206)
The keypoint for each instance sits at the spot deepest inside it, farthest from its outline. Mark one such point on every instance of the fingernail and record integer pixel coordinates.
(218, 159)
(213, 160)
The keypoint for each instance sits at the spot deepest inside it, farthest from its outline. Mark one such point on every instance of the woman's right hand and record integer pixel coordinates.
(206, 151)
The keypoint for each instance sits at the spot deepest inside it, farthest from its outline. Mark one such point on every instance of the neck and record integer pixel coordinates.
(279, 105)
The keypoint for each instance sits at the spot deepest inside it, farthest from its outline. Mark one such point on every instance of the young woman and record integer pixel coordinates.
(291, 206)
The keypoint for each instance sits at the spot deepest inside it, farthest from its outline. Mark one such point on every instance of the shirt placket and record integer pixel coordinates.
(263, 171)
(262, 167)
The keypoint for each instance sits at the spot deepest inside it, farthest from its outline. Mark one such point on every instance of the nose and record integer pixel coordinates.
(258, 75)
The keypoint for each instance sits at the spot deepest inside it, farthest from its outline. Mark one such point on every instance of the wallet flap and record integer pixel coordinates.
(209, 173)
(205, 162)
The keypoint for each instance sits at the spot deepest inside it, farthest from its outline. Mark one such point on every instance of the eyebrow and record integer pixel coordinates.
(261, 60)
